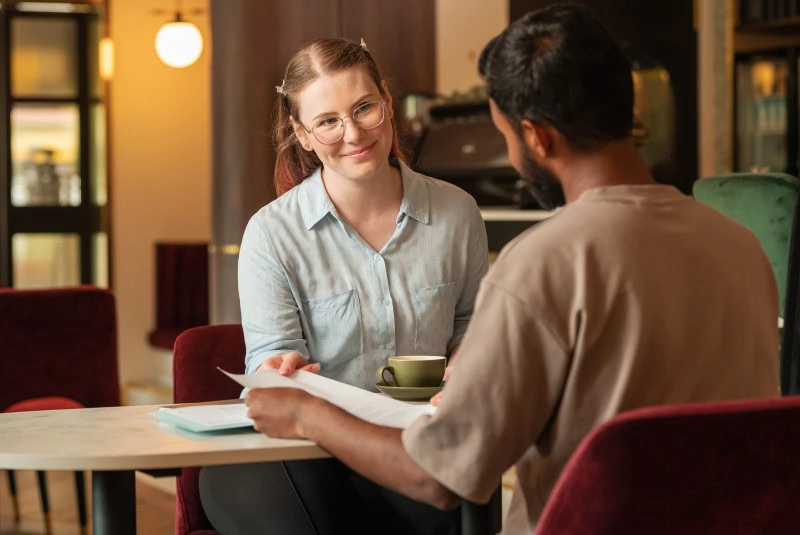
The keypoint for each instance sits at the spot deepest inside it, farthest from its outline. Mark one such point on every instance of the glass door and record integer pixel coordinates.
(54, 174)
(762, 117)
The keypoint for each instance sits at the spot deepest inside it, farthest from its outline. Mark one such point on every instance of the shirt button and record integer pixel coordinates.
(377, 257)
(387, 302)
(389, 346)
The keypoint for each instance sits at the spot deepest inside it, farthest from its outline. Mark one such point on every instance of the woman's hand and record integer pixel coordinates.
(288, 363)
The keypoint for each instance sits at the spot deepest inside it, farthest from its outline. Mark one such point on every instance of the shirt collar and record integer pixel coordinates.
(633, 192)
(314, 201)
(416, 199)
(316, 204)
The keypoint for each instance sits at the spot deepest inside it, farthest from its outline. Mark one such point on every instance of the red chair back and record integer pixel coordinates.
(705, 468)
(197, 354)
(58, 342)
(181, 291)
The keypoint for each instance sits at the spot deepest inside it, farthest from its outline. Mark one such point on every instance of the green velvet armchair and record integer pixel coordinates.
(766, 203)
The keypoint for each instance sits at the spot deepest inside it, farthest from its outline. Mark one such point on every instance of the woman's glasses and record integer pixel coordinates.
(366, 116)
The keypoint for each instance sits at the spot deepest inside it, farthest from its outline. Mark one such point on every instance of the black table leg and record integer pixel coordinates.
(477, 519)
(80, 493)
(113, 503)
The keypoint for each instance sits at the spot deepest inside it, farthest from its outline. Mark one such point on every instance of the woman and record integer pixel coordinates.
(357, 260)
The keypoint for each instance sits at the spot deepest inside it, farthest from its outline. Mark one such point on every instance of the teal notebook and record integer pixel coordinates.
(203, 418)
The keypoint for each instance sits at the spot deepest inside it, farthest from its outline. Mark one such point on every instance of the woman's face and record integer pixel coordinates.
(360, 153)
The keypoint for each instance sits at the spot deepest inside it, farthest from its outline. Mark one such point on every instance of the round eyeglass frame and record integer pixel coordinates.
(341, 121)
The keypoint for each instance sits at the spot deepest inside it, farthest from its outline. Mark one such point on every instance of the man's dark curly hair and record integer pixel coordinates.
(560, 67)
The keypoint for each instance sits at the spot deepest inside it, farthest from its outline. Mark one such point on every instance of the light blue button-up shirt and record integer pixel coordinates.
(309, 283)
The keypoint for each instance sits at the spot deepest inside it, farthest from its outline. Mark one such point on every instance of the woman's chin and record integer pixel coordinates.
(360, 170)
(363, 167)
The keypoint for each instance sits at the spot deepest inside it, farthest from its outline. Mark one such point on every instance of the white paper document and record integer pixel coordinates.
(369, 406)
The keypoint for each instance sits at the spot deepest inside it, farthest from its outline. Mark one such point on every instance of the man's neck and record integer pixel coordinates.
(617, 163)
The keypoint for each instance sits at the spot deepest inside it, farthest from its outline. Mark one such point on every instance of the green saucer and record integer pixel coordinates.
(409, 393)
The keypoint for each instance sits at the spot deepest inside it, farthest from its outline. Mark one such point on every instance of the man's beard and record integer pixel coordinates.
(541, 183)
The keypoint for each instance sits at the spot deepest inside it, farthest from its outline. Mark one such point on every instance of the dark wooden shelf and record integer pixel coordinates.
(766, 35)
(782, 24)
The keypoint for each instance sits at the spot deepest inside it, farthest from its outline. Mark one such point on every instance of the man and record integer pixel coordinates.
(631, 295)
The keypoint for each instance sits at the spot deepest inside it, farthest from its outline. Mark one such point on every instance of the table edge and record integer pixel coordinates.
(293, 452)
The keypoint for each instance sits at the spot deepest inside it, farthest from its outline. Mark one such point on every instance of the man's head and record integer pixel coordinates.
(560, 86)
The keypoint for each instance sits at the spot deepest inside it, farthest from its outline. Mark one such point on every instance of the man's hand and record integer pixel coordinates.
(288, 363)
(279, 412)
(436, 399)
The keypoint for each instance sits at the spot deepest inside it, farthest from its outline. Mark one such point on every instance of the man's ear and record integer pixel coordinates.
(538, 138)
(301, 134)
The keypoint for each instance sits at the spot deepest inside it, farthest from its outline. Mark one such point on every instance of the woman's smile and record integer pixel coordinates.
(361, 152)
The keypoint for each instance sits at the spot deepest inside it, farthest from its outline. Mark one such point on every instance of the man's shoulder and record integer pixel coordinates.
(613, 231)
(559, 231)
(722, 230)
(536, 253)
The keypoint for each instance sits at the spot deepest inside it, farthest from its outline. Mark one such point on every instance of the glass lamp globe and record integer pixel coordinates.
(179, 43)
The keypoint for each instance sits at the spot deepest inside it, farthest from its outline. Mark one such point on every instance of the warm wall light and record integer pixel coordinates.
(179, 43)
(106, 58)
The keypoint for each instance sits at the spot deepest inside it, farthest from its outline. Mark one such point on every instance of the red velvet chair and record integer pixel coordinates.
(212, 345)
(58, 350)
(706, 468)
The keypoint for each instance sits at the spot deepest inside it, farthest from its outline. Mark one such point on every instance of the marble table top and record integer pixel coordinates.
(128, 438)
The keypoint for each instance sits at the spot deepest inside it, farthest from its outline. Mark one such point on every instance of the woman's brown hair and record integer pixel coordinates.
(293, 164)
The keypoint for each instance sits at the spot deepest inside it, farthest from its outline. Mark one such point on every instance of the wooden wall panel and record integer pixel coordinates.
(401, 36)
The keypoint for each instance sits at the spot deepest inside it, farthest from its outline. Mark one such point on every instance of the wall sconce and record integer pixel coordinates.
(179, 43)
(106, 58)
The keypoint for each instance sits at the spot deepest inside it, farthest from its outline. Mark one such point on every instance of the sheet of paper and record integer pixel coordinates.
(369, 406)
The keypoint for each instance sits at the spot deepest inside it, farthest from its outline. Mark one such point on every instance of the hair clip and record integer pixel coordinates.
(364, 45)
(280, 89)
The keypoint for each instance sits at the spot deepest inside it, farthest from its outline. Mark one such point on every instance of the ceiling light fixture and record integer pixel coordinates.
(179, 43)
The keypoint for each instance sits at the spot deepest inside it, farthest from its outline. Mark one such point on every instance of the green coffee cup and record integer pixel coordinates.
(413, 371)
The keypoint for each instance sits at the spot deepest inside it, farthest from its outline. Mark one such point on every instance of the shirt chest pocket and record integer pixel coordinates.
(434, 313)
(333, 332)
